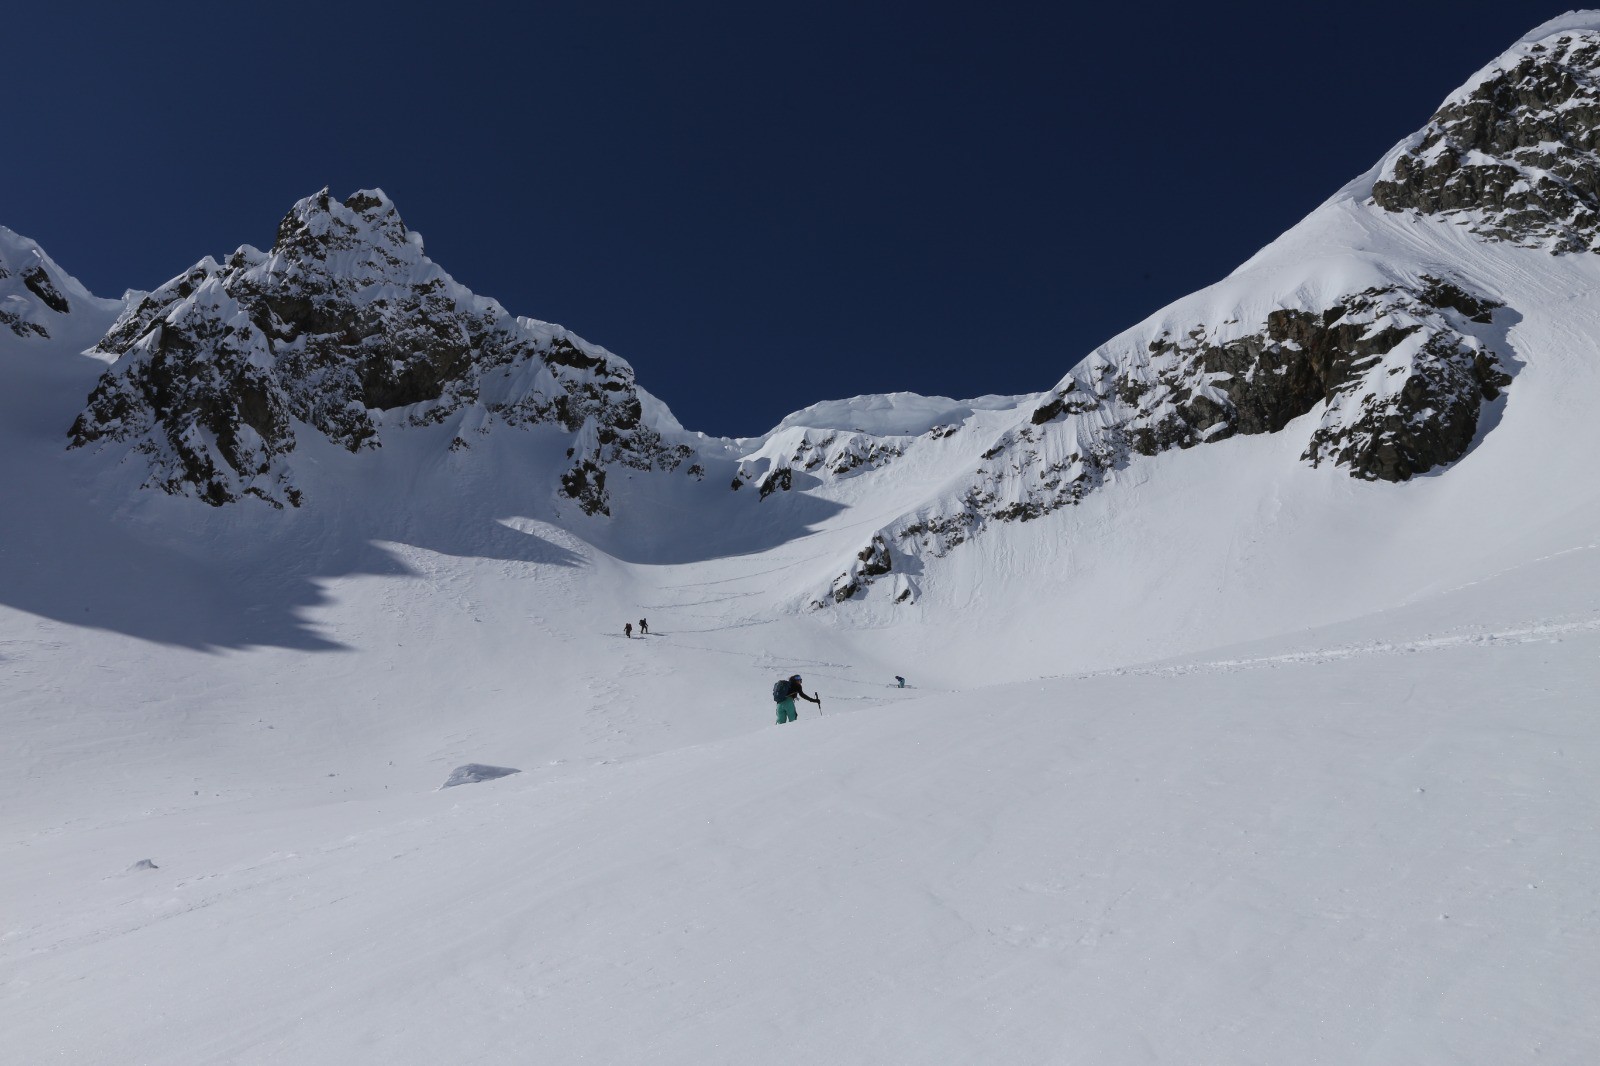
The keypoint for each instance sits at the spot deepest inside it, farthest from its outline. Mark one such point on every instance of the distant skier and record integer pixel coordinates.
(784, 693)
(900, 679)
(627, 630)
(644, 628)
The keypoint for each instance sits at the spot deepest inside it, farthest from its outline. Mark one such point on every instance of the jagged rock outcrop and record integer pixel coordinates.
(839, 454)
(871, 563)
(37, 281)
(824, 454)
(780, 480)
(345, 328)
(1400, 373)
(1517, 157)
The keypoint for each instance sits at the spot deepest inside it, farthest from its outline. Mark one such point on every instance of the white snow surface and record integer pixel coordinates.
(1587, 21)
(1238, 761)
(894, 414)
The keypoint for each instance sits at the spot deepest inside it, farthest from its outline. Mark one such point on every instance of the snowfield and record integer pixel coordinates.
(1233, 761)
(1371, 843)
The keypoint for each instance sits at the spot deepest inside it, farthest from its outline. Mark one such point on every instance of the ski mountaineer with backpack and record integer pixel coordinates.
(784, 693)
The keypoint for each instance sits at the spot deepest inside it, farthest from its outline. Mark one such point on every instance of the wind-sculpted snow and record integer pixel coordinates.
(895, 414)
(344, 328)
(1515, 155)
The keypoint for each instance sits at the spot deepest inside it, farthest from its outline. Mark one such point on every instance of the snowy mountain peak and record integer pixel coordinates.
(363, 222)
(36, 295)
(1581, 21)
(894, 414)
(346, 330)
(1514, 155)
(1370, 333)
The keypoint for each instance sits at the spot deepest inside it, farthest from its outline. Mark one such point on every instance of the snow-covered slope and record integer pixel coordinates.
(1374, 335)
(1251, 673)
(39, 301)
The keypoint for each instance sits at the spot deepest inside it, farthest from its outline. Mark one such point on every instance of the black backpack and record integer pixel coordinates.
(782, 690)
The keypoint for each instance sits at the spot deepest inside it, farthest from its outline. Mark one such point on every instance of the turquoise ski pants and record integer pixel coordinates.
(786, 711)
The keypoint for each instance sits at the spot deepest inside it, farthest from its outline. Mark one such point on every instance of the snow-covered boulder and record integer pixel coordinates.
(473, 772)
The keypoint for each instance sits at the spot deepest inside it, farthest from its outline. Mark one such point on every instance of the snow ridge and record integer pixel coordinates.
(37, 297)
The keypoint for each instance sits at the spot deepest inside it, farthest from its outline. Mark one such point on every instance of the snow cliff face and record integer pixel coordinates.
(345, 329)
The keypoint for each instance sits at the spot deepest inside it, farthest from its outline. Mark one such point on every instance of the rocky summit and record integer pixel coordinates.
(1514, 155)
(345, 329)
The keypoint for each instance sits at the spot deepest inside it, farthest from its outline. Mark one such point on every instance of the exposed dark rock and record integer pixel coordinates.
(586, 484)
(1443, 294)
(345, 318)
(38, 283)
(1064, 401)
(1516, 158)
(780, 479)
(840, 453)
(871, 562)
(197, 403)
(22, 328)
(1398, 371)
(1345, 356)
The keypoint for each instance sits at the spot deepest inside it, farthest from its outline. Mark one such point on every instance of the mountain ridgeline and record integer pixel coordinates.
(1374, 334)
(346, 330)
(38, 300)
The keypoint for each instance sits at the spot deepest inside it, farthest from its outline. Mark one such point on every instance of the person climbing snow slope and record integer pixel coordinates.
(784, 692)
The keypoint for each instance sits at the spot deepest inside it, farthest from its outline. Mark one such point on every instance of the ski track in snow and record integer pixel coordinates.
(1525, 634)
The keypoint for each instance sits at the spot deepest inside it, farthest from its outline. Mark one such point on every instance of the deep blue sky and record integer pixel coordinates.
(758, 205)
